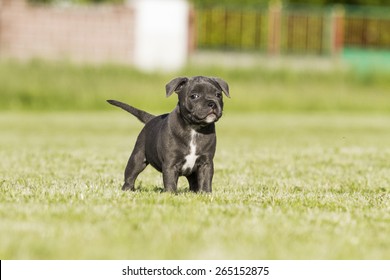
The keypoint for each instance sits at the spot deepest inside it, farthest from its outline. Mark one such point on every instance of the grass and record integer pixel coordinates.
(48, 86)
(286, 186)
(301, 170)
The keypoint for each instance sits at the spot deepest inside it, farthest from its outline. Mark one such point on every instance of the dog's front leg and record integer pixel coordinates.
(205, 176)
(170, 178)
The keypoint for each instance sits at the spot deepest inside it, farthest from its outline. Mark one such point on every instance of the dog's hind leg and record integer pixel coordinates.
(136, 164)
(193, 182)
(134, 167)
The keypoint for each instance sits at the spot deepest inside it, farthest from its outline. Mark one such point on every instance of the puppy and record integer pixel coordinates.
(183, 142)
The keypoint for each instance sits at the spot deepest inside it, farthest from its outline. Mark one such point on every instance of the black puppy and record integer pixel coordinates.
(183, 142)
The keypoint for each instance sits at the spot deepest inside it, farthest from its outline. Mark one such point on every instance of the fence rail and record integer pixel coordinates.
(361, 31)
(232, 28)
(293, 29)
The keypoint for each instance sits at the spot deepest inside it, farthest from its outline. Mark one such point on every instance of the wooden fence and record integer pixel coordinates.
(292, 30)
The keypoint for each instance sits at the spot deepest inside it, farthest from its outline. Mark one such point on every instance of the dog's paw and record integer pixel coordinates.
(127, 187)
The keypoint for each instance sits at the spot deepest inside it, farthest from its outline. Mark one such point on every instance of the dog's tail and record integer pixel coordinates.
(139, 114)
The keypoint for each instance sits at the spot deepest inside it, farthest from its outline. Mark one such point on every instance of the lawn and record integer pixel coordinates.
(294, 179)
(287, 186)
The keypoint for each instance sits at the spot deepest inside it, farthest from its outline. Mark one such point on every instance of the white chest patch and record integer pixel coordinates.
(191, 157)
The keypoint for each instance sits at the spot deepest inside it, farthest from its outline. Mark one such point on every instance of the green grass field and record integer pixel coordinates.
(293, 179)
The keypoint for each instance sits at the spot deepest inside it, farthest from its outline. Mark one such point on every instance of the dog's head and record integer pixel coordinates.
(200, 98)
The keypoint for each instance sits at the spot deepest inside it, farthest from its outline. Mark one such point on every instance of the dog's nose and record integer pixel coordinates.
(212, 105)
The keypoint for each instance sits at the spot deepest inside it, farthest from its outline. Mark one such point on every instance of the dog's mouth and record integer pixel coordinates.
(202, 116)
(210, 117)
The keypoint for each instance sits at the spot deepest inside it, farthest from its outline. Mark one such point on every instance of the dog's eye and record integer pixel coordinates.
(194, 96)
(218, 95)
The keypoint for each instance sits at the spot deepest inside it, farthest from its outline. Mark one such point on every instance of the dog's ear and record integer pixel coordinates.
(175, 85)
(223, 85)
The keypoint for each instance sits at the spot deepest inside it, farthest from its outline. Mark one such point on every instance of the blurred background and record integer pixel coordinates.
(108, 30)
(74, 54)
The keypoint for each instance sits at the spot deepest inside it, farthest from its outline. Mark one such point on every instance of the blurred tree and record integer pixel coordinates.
(244, 2)
(307, 2)
(345, 2)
